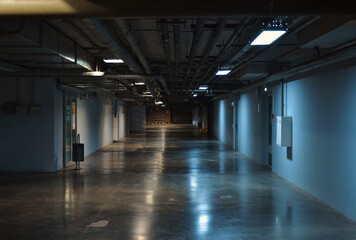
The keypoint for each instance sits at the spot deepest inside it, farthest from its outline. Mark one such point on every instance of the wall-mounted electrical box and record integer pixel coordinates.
(284, 131)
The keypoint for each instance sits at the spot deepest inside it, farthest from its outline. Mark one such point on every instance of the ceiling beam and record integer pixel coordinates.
(162, 8)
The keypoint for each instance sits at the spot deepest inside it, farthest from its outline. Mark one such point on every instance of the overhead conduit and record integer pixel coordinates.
(125, 29)
(117, 49)
(347, 54)
(193, 50)
(235, 35)
(166, 47)
(176, 30)
(212, 42)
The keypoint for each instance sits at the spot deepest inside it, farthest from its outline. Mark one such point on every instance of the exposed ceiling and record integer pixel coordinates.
(171, 56)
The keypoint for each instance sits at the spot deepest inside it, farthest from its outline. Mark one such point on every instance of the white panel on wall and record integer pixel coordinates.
(284, 131)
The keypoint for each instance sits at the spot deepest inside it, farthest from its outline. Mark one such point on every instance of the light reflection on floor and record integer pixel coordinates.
(166, 183)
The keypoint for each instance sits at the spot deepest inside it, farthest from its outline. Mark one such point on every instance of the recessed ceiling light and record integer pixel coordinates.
(139, 83)
(223, 72)
(267, 37)
(203, 87)
(94, 73)
(113, 61)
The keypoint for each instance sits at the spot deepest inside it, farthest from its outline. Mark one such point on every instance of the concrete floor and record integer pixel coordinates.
(165, 183)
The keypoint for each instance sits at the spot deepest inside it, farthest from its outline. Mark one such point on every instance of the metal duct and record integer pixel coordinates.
(237, 33)
(166, 47)
(116, 48)
(343, 55)
(176, 30)
(125, 29)
(212, 42)
(193, 50)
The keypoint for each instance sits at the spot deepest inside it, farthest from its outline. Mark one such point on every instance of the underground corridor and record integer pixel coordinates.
(177, 120)
(167, 182)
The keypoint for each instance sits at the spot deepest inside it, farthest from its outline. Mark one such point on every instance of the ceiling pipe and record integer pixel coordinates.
(166, 47)
(193, 50)
(334, 58)
(117, 48)
(236, 34)
(78, 75)
(241, 54)
(125, 29)
(14, 33)
(211, 44)
(176, 29)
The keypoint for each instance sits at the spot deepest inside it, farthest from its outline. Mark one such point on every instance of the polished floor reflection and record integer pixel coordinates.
(165, 183)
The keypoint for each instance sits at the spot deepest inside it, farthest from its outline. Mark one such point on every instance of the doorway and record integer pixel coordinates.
(70, 127)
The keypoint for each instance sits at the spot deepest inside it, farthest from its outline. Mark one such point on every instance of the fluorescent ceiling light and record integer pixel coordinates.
(223, 72)
(139, 83)
(203, 87)
(94, 73)
(68, 58)
(113, 61)
(150, 95)
(158, 102)
(268, 36)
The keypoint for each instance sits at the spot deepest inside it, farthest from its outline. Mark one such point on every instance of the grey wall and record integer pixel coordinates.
(27, 141)
(222, 120)
(323, 110)
(249, 125)
(137, 118)
(95, 124)
(322, 158)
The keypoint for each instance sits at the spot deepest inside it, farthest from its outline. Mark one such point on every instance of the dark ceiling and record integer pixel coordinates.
(172, 56)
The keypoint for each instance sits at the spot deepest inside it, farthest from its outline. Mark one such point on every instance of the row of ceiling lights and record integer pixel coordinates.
(266, 37)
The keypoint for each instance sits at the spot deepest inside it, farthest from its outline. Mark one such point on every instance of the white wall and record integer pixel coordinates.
(123, 112)
(321, 160)
(58, 129)
(27, 141)
(222, 120)
(249, 125)
(95, 123)
(323, 111)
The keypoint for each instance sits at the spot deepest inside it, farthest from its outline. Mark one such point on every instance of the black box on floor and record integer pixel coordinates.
(78, 152)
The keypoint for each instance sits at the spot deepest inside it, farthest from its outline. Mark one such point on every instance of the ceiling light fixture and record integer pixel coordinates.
(267, 37)
(113, 61)
(94, 73)
(158, 102)
(139, 83)
(203, 87)
(195, 95)
(223, 72)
